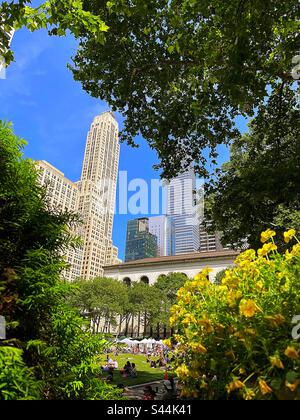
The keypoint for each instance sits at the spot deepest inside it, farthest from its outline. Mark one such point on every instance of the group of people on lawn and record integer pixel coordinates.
(129, 370)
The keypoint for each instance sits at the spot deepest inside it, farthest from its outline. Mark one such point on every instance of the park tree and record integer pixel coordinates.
(167, 287)
(179, 72)
(145, 303)
(101, 300)
(46, 353)
(259, 186)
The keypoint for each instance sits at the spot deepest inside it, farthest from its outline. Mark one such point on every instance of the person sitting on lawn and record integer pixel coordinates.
(127, 369)
(110, 377)
(153, 364)
(133, 372)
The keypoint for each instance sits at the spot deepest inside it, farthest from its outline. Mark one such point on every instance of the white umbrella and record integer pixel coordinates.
(144, 341)
(127, 341)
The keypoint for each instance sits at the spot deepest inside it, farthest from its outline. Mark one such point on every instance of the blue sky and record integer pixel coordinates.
(52, 112)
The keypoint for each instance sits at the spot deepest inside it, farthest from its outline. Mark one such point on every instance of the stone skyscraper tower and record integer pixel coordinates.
(97, 194)
(93, 198)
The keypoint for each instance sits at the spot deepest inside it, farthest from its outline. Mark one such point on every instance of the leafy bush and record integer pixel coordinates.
(46, 342)
(17, 381)
(236, 338)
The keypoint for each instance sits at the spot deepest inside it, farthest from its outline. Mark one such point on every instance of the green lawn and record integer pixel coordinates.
(144, 372)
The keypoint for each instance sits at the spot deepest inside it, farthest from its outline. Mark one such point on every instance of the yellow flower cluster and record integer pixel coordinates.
(248, 308)
(238, 327)
(267, 235)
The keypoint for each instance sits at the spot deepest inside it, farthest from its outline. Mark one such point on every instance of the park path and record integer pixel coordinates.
(136, 392)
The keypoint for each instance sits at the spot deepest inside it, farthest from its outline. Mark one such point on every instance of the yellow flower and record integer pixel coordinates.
(198, 348)
(204, 274)
(289, 235)
(206, 323)
(275, 320)
(264, 387)
(266, 249)
(296, 250)
(187, 298)
(248, 394)
(288, 256)
(182, 371)
(248, 255)
(268, 234)
(276, 362)
(259, 285)
(168, 343)
(236, 384)
(248, 308)
(292, 386)
(250, 331)
(291, 353)
(230, 280)
(189, 319)
(173, 320)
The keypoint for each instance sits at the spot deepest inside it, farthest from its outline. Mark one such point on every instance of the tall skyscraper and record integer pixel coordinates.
(181, 200)
(93, 198)
(161, 226)
(140, 243)
(97, 198)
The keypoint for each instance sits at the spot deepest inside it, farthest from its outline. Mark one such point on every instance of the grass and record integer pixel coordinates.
(144, 372)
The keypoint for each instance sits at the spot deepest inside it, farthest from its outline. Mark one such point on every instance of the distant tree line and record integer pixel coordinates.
(138, 310)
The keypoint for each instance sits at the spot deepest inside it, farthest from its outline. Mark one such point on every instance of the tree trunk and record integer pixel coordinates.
(165, 331)
(127, 324)
(120, 326)
(145, 324)
(139, 323)
(132, 325)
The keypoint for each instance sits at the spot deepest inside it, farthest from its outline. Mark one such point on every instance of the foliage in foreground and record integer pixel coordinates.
(47, 353)
(259, 186)
(236, 339)
(180, 72)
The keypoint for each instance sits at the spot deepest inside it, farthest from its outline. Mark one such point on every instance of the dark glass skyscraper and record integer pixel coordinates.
(140, 243)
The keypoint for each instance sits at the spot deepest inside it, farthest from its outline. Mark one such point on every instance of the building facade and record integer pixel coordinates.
(160, 227)
(93, 198)
(181, 198)
(210, 241)
(148, 270)
(62, 195)
(140, 243)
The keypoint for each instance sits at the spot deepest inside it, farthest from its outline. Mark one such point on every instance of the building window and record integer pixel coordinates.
(127, 281)
(145, 280)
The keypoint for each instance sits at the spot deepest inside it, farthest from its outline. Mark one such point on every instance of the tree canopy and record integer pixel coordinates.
(259, 186)
(178, 71)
